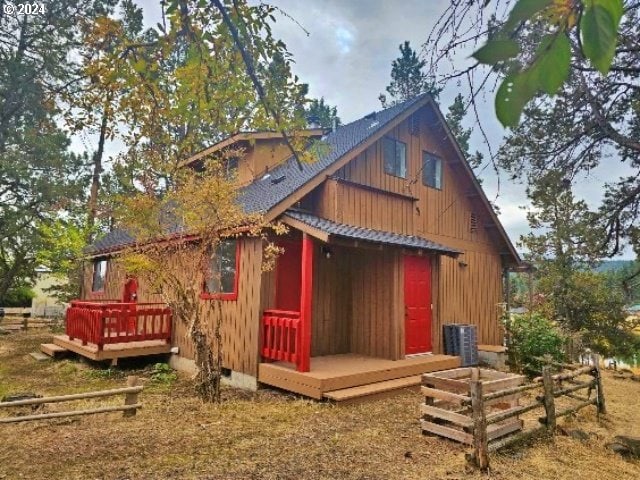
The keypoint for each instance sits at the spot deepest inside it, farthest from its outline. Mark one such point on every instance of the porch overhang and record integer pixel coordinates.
(328, 230)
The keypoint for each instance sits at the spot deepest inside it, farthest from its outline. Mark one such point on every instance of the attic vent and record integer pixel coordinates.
(473, 222)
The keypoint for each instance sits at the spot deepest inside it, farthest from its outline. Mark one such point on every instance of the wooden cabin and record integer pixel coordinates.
(391, 237)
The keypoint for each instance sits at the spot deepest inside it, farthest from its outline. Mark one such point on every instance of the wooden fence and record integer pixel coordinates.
(472, 422)
(129, 408)
(103, 323)
(281, 336)
(13, 323)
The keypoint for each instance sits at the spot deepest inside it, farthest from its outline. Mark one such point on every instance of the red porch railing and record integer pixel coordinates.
(281, 335)
(107, 322)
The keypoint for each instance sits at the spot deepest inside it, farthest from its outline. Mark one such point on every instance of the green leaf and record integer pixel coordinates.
(524, 10)
(553, 63)
(172, 7)
(599, 35)
(139, 66)
(496, 51)
(513, 94)
(614, 7)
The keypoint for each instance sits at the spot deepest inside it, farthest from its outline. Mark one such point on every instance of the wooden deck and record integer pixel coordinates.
(113, 351)
(333, 373)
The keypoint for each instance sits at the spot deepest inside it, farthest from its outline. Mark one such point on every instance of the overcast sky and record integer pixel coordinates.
(346, 58)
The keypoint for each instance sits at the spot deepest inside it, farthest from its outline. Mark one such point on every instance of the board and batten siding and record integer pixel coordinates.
(465, 290)
(357, 303)
(240, 324)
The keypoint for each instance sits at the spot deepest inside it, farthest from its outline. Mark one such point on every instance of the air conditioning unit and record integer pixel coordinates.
(461, 340)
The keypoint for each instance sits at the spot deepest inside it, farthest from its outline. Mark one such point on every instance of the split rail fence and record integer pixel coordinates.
(131, 404)
(24, 323)
(485, 412)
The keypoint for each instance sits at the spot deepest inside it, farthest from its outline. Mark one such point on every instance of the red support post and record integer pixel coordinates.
(304, 357)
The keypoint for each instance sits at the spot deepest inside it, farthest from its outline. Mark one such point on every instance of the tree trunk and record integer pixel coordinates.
(97, 171)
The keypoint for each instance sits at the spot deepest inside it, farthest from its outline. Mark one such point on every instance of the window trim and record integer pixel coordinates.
(438, 157)
(226, 296)
(93, 273)
(384, 163)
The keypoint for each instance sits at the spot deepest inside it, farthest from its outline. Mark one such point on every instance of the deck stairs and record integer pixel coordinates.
(373, 391)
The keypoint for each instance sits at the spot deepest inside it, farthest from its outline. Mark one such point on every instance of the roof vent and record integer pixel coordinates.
(277, 180)
(473, 222)
(371, 116)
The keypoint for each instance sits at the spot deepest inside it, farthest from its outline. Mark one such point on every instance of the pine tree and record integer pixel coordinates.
(407, 78)
(321, 113)
(455, 116)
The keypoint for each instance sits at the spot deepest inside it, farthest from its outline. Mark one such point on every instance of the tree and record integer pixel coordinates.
(572, 295)
(592, 117)
(585, 29)
(407, 78)
(320, 113)
(39, 177)
(627, 279)
(92, 100)
(455, 116)
(197, 80)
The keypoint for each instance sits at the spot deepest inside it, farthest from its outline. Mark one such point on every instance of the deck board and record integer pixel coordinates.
(336, 372)
(113, 350)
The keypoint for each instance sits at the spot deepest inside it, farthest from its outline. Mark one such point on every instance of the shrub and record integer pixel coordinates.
(533, 337)
(18, 297)
(163, 373)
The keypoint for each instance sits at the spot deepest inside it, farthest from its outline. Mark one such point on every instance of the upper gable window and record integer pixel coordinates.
(431, 170)
(231, 167)
(99, 275)
(222, 277)
(395, 157)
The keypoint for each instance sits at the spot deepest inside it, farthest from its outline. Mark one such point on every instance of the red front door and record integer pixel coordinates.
(417, 300)
(289, 276)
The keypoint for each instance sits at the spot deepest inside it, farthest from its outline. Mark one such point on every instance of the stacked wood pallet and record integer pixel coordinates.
(448, 409)
(482, 407)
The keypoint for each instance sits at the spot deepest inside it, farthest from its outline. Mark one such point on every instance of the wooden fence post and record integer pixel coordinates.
(602, 408)
(131, 398)
(549, 399)
(480, 442)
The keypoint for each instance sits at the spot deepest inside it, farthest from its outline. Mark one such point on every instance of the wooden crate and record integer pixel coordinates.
(447, 408)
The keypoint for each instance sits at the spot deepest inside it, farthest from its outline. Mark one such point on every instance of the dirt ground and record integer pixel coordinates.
(267, 434)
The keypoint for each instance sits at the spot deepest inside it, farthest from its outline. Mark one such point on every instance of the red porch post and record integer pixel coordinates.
(304, 356)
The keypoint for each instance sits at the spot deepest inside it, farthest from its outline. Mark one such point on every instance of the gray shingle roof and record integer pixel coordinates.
(263, 194)
(367, 234)
(110, 241)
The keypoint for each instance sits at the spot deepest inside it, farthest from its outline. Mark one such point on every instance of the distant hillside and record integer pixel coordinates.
(612, 265)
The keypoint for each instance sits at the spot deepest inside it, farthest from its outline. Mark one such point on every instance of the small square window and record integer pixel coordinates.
(231, 167)
(99, 275)
(431, 170)
(395, 157)
(222, 276)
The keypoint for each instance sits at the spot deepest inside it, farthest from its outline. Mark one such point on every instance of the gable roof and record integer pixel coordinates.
(284, 184)
(285, 179)
(367, 234)
(248, 137)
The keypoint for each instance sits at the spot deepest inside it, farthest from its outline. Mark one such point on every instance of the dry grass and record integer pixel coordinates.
(269, 435)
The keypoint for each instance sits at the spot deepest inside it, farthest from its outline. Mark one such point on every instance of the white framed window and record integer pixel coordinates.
(395, 157)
